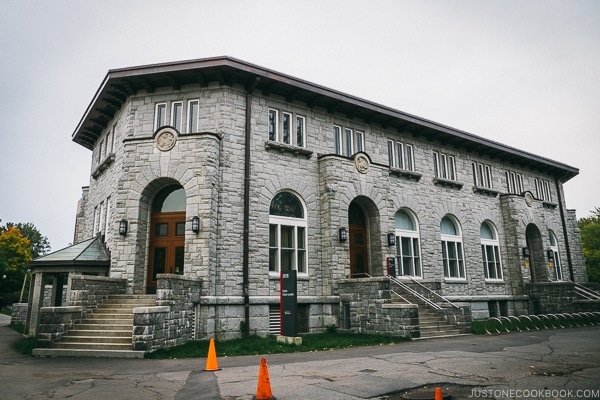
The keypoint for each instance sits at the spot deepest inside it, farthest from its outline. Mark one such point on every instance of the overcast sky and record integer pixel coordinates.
(523, 73)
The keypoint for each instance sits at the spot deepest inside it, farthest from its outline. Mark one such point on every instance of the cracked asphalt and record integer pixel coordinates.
(554, 364)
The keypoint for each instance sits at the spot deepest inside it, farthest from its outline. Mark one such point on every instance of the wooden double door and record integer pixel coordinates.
(167, 244)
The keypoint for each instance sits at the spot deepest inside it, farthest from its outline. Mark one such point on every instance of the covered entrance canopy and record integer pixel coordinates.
(89, 257)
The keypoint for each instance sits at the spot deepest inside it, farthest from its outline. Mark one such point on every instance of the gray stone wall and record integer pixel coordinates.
(172, 321)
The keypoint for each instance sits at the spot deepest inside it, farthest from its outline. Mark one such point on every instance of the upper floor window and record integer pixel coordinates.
(482, 175)
(408, 251)
(347, 142)
(177, 116)
(287, 234)
(490, 251)
(542, 189)
(444, 166)
(160, 116)
(287, 129)
(400, 155)
(514, 182)
(452, 249)
(193, 112)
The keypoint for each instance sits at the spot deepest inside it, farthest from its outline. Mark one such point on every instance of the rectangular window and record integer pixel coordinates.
(273, 248)
(347, 142)
(409, 164)
(106, 216)
(453, 259)
(358, 141)
(482, 175)
(300, 128)
(287, 127)
(490, 255)
(301, 262)
(160, 115)
(273, 131)
(514, 182)
(337, 139)
(400, 155)
(192, 115)
(391, 158)
(177, 115)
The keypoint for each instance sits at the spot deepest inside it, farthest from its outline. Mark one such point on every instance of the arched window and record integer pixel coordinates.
(408, 249)
(287, 234)
(452, 251)
(555, 259)
(490, 251)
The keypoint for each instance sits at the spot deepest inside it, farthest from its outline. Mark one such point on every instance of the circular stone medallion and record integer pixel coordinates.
(165, 139)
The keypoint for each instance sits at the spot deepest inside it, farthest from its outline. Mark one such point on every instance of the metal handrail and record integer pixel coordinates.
(415, 293)
(401, 297)
(431, 292)
(586, 292)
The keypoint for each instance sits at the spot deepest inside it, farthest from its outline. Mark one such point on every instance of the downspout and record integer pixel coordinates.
(563, 219)
(246, 238)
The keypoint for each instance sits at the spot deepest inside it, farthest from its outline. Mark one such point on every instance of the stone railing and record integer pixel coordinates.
(88, 291)
(55, 322)
(367, 308)
(172, 321)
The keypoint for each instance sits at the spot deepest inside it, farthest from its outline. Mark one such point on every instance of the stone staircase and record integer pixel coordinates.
(106, 332)
(432, 321)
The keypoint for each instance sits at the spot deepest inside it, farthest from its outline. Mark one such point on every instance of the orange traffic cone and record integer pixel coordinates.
(438, 394)
(211, 360)
(263, 391)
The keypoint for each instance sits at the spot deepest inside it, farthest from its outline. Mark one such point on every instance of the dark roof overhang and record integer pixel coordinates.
(119, 84)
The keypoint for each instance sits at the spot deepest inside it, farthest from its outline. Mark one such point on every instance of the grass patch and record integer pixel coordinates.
(255, 345)
(24, 345)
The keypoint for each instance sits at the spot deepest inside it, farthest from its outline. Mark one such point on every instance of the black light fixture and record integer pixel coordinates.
(525, 252)
(123, 227)
(343, 234)
(195, 224)
(391, 239)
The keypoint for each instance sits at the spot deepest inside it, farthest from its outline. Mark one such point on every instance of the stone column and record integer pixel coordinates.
(37, 300)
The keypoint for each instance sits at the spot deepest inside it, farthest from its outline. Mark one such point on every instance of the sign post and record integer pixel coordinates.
(289, 302)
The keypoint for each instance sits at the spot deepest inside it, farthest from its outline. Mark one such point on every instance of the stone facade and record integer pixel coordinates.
(229, 150)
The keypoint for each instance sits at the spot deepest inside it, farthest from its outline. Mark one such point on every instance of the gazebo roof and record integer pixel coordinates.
(88, 256)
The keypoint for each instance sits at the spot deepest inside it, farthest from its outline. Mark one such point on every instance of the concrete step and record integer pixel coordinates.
(96, 339)
(99, 333)
(96, 326)
(109, 316)
(43, 352)
(91, 345)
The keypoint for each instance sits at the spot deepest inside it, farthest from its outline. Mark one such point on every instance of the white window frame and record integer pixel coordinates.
(514, 182)
(286, 127)
(107, 215)
(160, 119)
(177, 115)
(416, 261)
(300, 254)
(337, 140)
(455, 242)
(444, 166)
(300, 131)
(496, 259)
(558, 273)
(400, 155)
(193, 122)
(273, 125)
(482, 175)
(358, 142)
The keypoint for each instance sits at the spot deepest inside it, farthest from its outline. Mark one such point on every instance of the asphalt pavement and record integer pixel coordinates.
(549, 364)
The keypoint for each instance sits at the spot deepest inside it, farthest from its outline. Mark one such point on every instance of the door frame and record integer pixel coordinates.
(171, 241)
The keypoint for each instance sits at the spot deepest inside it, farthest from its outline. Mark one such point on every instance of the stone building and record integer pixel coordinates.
(211, 177)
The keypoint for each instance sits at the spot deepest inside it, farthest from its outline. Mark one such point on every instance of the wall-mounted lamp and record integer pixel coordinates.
(343, 234)
(123, 227)
(195, 224)
(391, 239)
(550, 254)
(525, 252)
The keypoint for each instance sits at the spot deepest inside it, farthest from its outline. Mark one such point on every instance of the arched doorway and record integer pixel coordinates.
(537, 262)
(359, 241)
(167, 234)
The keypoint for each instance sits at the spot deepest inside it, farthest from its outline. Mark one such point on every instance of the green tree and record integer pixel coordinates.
(590, 238)
(15, 253)
(39, 243)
